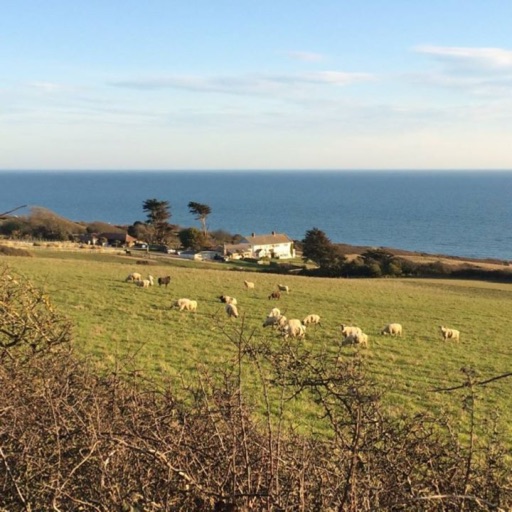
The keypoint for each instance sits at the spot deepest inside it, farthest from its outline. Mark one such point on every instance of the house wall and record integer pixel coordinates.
(278, 250)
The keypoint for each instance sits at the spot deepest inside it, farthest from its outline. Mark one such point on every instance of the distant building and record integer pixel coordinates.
(274, 245)
(115, 239)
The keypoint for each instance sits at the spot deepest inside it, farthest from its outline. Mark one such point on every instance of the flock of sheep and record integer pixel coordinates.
(288, 328)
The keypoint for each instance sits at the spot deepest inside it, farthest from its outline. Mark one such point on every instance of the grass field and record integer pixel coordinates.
(118, 321)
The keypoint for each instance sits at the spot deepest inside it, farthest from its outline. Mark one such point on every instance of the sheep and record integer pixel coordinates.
(447, 333)
(311, 320)
(226, 299)
(164, 281)
(348, 330)
(362, 339)
(293, 328)
(283, 288)
(231, 310)
(185, 305)
(275, 295)
(249, 285)
(392, 330)
(134, 277)
(356, 338)
(146, 283)
(274, 312)
(278, 322)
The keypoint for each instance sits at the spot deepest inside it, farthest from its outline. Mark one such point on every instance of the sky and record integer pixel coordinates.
(267, 84)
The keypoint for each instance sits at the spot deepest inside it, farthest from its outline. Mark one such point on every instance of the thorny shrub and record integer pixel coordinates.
(71, 439)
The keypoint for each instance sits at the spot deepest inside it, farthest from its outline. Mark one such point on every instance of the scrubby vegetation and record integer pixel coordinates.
(13, 251)
(75, 438)
(331, 261)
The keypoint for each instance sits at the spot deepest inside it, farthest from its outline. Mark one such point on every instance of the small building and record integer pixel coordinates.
(237, 251)
(190, 255)
(274, 245)
(114, 239)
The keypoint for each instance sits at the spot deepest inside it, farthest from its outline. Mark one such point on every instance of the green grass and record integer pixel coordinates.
(117, 321)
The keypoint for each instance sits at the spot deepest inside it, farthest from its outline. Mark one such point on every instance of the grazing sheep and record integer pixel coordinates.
(283, 288)
(146, 283)
(358, 338)
(226, 299)
(275, 295)
(275, 312)
(164, 281)
(293, 328)
(362, 339)
(311, 320)
(450, 334)
(134, 277)
(392, 330)
(231, 310)
(278, 322)
(348, 330)
(270, 320)
(249, 285)
(185, 305)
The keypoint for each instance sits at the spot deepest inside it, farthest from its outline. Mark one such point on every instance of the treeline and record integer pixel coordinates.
(43, 224)
(72, 439)
(332, 261)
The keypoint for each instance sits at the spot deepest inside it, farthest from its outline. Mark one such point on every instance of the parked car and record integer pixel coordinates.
(159, 248)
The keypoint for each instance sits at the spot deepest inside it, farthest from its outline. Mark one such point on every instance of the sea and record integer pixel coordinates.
(458, 213)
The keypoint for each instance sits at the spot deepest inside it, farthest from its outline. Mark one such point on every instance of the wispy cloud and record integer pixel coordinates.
(49, 87)
(257, 84)
(477, 71)
(476, 59)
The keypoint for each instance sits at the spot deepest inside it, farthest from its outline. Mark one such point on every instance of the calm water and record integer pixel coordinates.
(466, 214)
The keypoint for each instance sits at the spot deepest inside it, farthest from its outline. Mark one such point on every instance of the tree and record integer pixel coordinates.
(380, 262)
(192, 238)
(317, 247)
(158, 215)
(201, 211)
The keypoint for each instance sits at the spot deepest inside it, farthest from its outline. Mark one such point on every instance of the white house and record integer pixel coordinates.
(275, 245)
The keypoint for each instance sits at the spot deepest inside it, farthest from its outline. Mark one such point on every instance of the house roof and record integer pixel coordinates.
(272, 238)
(233, 248)
(125, 237)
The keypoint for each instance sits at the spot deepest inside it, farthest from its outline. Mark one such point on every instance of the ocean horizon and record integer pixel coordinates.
(458, 213)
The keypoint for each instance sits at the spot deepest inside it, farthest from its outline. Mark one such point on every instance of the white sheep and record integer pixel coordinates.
(392, 330)
(134, 277)
(274, 312)
(146, 283)
(185, 305)
(362, 339)
(231, 310)
(356, 338)
(249, 285)
(293, 328)
(281, 321)
(283, 288)
(311, 320)
(348, 330)
(452, 334)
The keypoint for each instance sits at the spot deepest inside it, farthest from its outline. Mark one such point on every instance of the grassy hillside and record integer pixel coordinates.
(119, 322)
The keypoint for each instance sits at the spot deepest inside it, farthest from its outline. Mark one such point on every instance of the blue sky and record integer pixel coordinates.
(280, 84)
